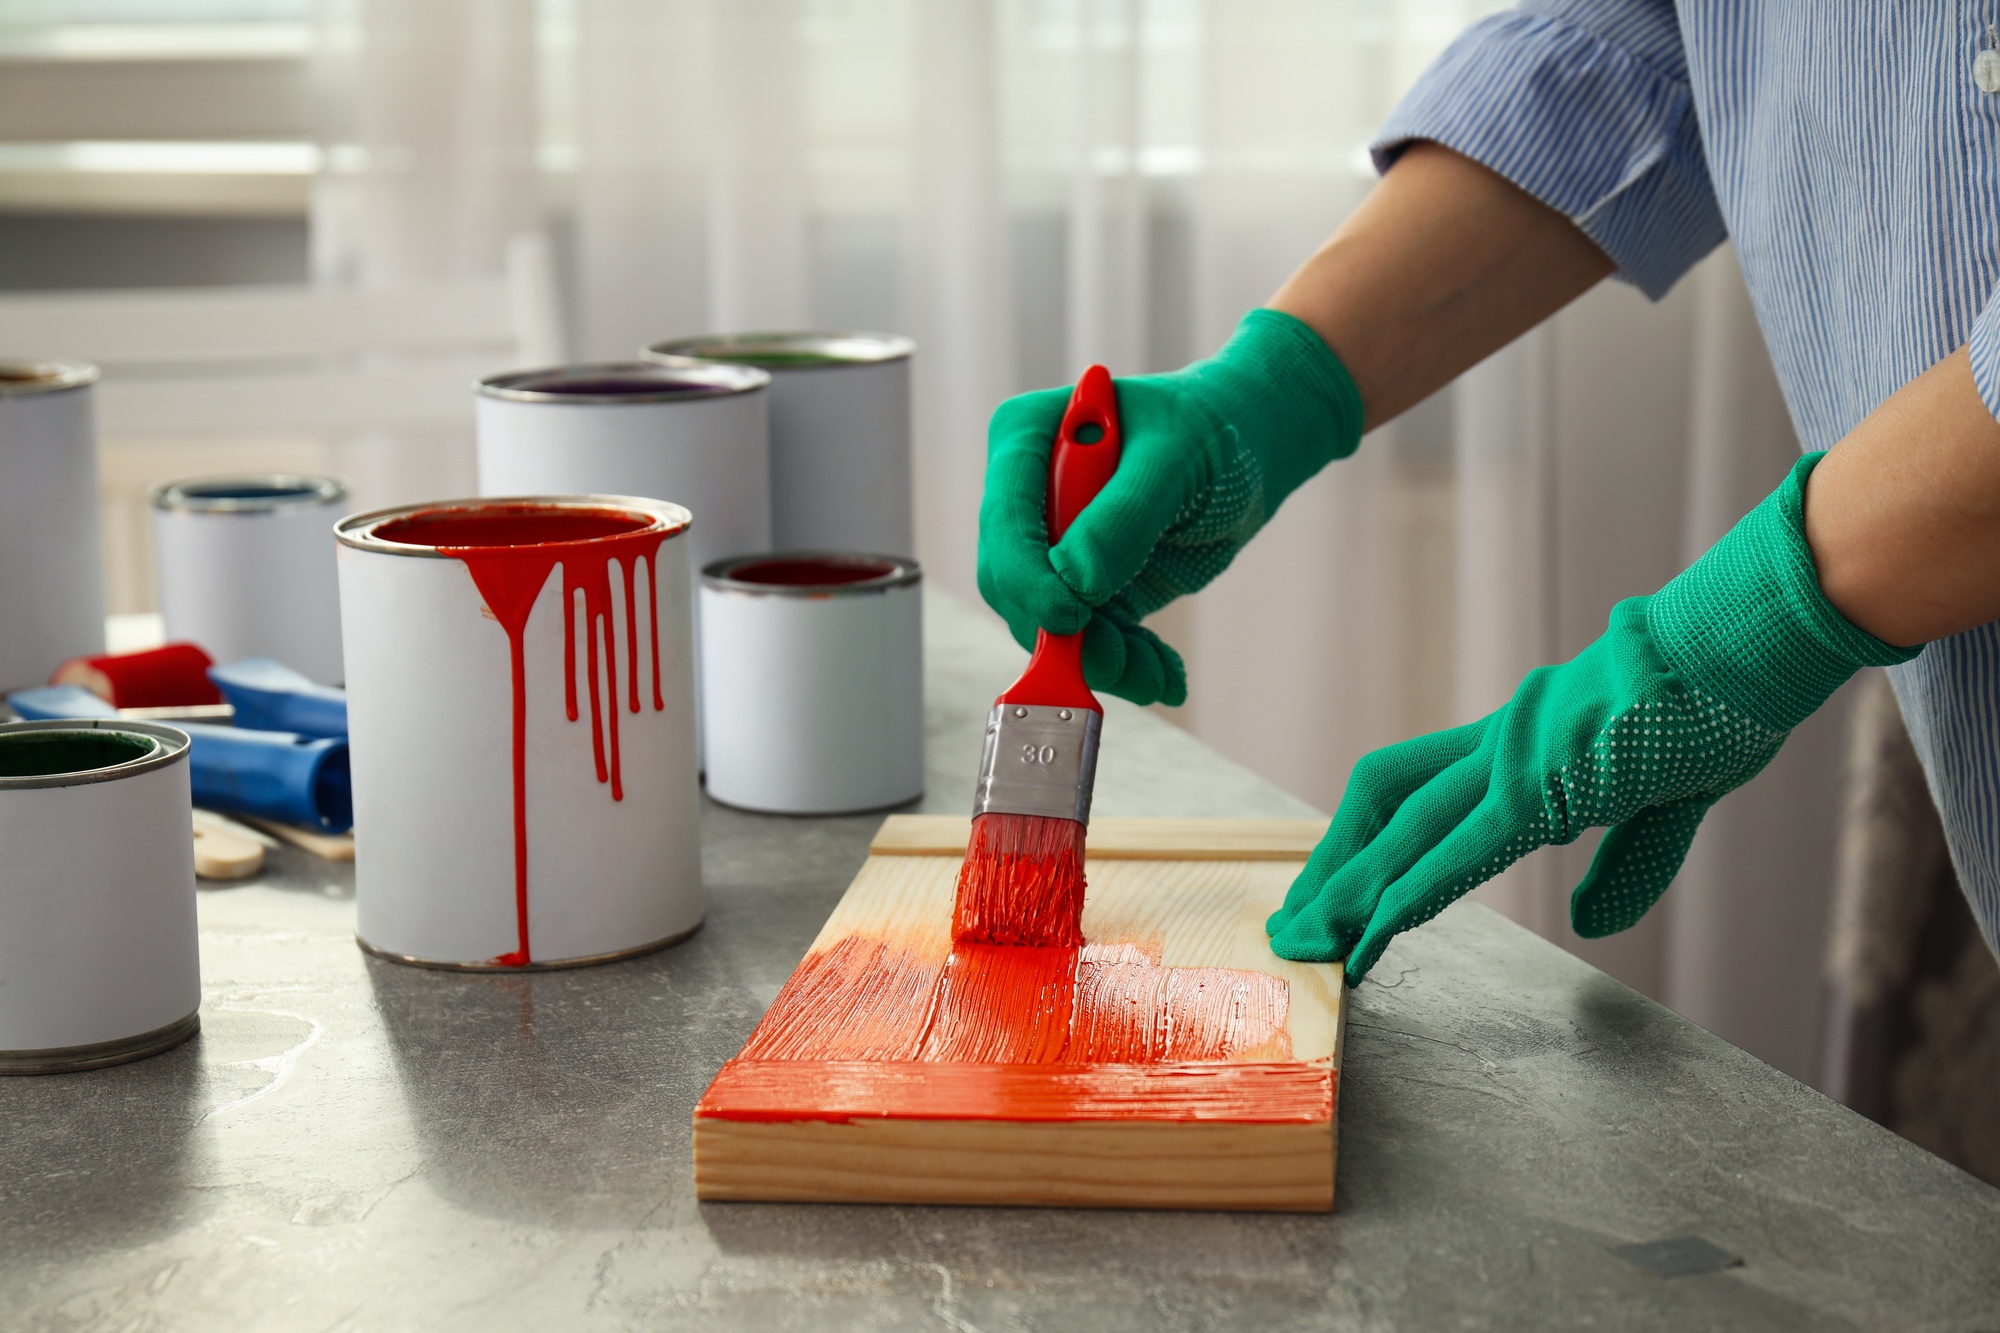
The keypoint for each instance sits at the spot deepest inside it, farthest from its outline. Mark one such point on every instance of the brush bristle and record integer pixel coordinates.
(1022, 883)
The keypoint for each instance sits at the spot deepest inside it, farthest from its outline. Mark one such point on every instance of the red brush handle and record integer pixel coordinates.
(1080, 468)
(1082, 461)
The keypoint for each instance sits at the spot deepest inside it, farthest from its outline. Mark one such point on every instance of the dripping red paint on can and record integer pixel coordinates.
(521, 709)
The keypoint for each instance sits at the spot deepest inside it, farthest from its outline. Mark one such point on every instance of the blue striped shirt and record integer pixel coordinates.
(1849, 153)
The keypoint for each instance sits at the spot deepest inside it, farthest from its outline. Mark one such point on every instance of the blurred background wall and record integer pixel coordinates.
(1025, 186)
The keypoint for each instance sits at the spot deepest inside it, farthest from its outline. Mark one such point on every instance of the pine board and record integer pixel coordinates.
(867, 1081)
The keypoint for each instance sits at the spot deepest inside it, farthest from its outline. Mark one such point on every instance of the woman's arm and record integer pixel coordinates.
(1445, 263)
(1442, 265)
(1903, 516)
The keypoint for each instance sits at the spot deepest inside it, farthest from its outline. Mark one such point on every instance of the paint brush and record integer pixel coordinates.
(1022, 880)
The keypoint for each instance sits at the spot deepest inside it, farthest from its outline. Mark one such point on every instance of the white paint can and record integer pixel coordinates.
(99, 961)
(51, 562)
(520, 703)
(695, 436)
(246, 568)
(840, 433)
(815, 670)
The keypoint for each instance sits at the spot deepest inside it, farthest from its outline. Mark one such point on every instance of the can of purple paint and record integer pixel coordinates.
(51, 564)
(520, 704)
(840, 433)
(99, 962)
(695, 436)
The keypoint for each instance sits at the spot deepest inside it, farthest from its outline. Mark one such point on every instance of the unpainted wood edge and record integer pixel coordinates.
(1123, 838)
(1200, 1166)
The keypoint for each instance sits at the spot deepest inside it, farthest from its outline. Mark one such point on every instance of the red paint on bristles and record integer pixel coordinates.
(1022, 880)
(1021, 883)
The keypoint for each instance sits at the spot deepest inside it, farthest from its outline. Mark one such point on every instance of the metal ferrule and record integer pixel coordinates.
(1039, 761)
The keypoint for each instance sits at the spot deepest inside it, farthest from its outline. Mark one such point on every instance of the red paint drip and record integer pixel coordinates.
(982, 1016)
(1021, 883)
(510, 551)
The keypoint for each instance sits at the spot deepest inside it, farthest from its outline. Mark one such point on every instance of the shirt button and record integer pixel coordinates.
(1986, 71)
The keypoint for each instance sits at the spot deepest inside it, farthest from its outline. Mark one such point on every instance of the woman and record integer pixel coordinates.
(1852, 154)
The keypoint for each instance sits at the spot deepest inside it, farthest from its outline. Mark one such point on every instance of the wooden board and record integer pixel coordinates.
(1173, 1062)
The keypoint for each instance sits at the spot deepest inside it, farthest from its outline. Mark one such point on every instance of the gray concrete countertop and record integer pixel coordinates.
(352, 1144)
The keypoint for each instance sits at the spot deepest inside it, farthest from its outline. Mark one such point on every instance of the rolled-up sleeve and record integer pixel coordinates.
(1585, 105)
(1984, 349)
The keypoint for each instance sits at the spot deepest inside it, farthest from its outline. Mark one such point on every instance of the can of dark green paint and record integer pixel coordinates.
(840, 434)
(99, 962)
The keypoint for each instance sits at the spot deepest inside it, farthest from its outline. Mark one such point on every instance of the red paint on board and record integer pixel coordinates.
(1021, 882)
(510, 551)
(916, 1034)
(1249, 1092)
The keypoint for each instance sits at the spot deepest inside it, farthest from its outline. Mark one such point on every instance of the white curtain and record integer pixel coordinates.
(1027, 186)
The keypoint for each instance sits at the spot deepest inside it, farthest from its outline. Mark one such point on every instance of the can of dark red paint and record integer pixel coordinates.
(246, 568)
(840, 433)
(814, 665)
(99, 962)
(51, 563)
(520, 704)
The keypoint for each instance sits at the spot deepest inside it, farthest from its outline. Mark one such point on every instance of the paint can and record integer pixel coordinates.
(246, 568)
(695, 436)
(51, 563)
(815, 670)
(98, 950)
(840, 433)
(520, 701)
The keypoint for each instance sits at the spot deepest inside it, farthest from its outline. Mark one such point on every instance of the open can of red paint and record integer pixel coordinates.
(814, 662)
(246, 568)
(520, 699)
(51, 566)
(99, 962)
(840, 433)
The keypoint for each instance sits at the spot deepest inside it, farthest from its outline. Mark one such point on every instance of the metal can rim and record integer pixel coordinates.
(708, 379)
(20, 379)
(172, 742)
(838, 350)
(553, 965)
(304, 491)
(99, 1054)
(715, 575)
(358, 530)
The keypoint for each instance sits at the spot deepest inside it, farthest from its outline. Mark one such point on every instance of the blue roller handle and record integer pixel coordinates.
(270, 696)
(272, 774)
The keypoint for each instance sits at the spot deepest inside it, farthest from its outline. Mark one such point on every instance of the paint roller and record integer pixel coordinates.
(280, 775)
(270, 696)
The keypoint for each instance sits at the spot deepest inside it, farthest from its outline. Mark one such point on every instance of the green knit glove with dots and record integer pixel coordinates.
(1685, 697)
(1209, 453)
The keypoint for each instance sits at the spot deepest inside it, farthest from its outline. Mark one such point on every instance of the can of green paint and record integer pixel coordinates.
(99, 962)
(840, 433)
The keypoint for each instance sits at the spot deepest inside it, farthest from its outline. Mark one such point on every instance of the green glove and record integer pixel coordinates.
(1209, 452)
(1685, 697)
